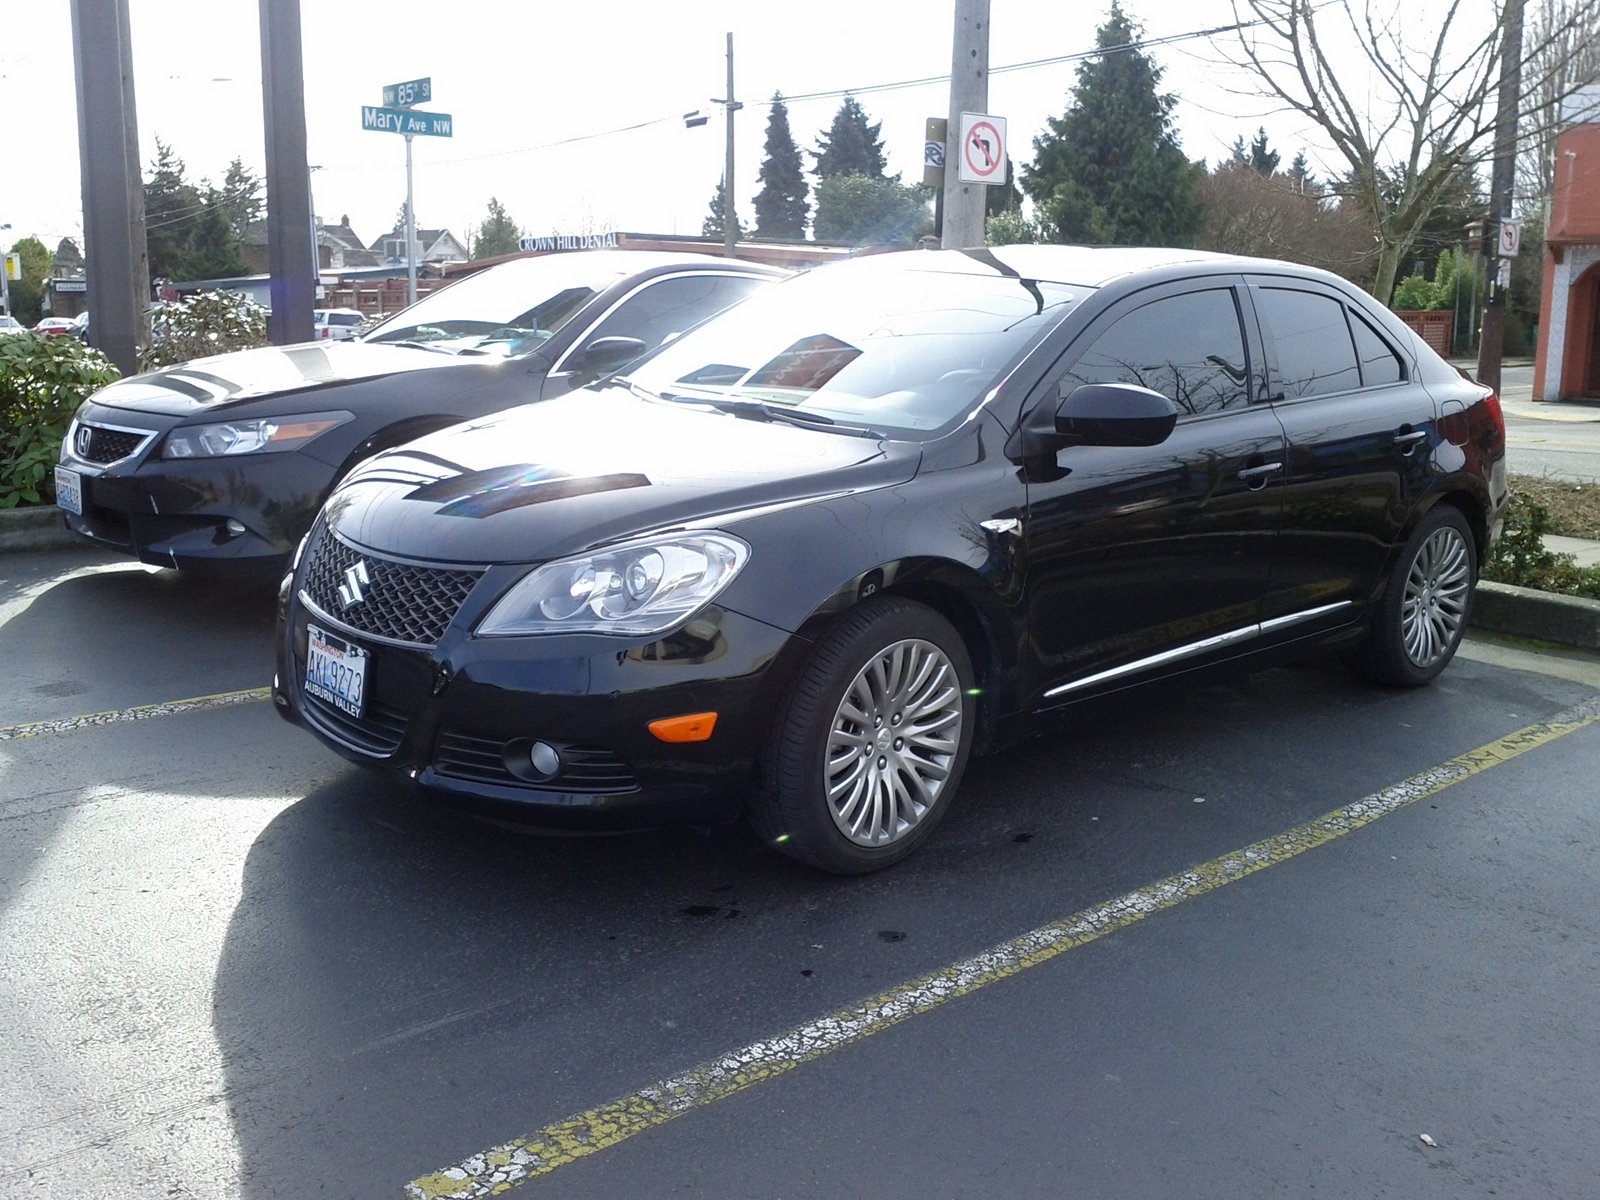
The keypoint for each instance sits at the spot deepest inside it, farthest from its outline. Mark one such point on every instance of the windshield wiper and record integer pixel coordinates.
(415, 345)
(757, 410)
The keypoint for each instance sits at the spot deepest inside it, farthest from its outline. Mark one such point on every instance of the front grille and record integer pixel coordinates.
(378, 731)
(97, 445)
(584, 768)
(399, 602)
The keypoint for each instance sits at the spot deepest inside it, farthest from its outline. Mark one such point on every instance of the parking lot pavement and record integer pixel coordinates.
(234, 966)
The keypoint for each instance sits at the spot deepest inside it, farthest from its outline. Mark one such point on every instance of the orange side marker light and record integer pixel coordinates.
(692, 727)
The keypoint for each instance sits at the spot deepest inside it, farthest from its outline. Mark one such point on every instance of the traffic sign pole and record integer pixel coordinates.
(411, 233)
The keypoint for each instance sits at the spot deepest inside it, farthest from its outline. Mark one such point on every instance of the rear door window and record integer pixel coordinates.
(1311, 340)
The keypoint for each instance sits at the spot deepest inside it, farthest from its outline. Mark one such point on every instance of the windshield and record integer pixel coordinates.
(507, 310)
(894, 350)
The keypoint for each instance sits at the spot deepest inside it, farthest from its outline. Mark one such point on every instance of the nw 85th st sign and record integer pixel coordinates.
(408, 121)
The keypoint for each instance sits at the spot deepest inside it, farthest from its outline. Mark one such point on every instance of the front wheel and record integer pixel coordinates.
(1423, 613)
(871, 745)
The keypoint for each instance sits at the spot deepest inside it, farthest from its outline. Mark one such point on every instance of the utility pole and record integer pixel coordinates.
(117, 265)
(289, 244)
(730, 218)
(969, 92)
(411, 233)
(1500, 188)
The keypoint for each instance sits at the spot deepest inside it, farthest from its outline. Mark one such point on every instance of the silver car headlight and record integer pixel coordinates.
(641, 587)
(260, 435)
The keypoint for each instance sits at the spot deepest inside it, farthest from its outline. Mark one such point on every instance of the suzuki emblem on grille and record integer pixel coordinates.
(350, 593)
(81, 443)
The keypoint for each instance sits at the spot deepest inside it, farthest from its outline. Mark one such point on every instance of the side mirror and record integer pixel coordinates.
(1114, 414)
(607, 354)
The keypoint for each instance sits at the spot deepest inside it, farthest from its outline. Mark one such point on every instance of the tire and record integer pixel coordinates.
(846, 791)
(1426, 604)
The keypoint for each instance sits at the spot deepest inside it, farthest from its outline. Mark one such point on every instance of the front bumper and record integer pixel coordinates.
(176, 513)
(458, 719)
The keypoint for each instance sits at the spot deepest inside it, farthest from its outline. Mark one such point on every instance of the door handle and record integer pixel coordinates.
(1251, 474)
(1410, 440)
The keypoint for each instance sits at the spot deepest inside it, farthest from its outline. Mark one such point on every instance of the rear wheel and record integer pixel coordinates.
(872, 742)
(1426, 603)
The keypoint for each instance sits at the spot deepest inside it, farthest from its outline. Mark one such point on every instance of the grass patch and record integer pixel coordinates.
(1573, 508)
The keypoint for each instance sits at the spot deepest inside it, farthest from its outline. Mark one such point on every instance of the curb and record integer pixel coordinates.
(1543, 616)
(36, 528)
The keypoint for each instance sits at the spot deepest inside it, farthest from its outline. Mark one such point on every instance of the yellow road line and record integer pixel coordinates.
(515, 1162)
(142, 712)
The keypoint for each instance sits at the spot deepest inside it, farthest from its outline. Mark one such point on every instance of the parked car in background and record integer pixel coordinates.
(55, 326)
(804, 560)
(11, 325)
(335, 324)
(222, 462)
(80, 326)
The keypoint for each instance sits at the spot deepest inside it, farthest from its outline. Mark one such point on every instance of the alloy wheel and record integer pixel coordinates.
(1434, 605)
(893, 742)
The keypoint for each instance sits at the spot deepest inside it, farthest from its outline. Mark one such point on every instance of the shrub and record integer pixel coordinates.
(42, 382)
(1009, 228)
(1520, 556)
(204, 324)
(1416, 294)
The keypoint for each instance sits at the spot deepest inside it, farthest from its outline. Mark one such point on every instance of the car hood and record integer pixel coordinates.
(206, 384)
(556, 478)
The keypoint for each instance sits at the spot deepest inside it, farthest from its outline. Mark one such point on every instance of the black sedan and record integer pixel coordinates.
(223, 462)
(803, 561)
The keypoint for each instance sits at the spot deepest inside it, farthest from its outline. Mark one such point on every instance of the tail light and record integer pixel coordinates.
(1492, 403)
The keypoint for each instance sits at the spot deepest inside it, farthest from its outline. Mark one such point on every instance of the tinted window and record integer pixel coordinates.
(1190, 348)
(670, 306)
(1314, 352)
(1379, 363)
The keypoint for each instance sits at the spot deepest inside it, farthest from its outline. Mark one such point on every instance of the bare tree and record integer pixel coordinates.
(1423, 116)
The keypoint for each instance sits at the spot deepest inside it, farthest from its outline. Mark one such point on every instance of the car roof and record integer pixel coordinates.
(1084, 266)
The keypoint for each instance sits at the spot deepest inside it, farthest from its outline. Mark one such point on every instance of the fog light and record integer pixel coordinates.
(235, 527)
(545, 760)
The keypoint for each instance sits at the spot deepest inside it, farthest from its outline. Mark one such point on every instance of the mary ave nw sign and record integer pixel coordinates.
(409, 121)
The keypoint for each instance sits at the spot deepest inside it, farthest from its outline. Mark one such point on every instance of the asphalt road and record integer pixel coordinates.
(1556, 441)
(234, 966)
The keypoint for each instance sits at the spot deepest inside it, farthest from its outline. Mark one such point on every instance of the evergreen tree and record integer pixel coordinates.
(856, 210)
(211, 250)
(1003, 198)
(171, 208)
(241, 197)
(1110, 170)
(850, 146)
(498, 234)
(1262, 159)
(68, 258)
(781, 202)
(1300, 173)
(712, 226)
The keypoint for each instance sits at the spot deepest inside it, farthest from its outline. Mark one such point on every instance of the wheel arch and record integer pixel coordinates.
(961, 596)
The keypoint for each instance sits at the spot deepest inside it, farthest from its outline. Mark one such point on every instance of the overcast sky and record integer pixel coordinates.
(520, 77)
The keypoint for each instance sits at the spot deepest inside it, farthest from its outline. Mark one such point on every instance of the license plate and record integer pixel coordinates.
(69, 491)
(336, 670)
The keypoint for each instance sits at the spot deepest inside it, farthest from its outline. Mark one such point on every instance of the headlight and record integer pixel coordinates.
(250, 437)
(641, 587)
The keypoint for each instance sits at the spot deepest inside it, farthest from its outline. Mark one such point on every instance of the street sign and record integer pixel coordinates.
(983, 149)
(13, 266)
(402, 120)
(404, 95)
(1510, 239)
